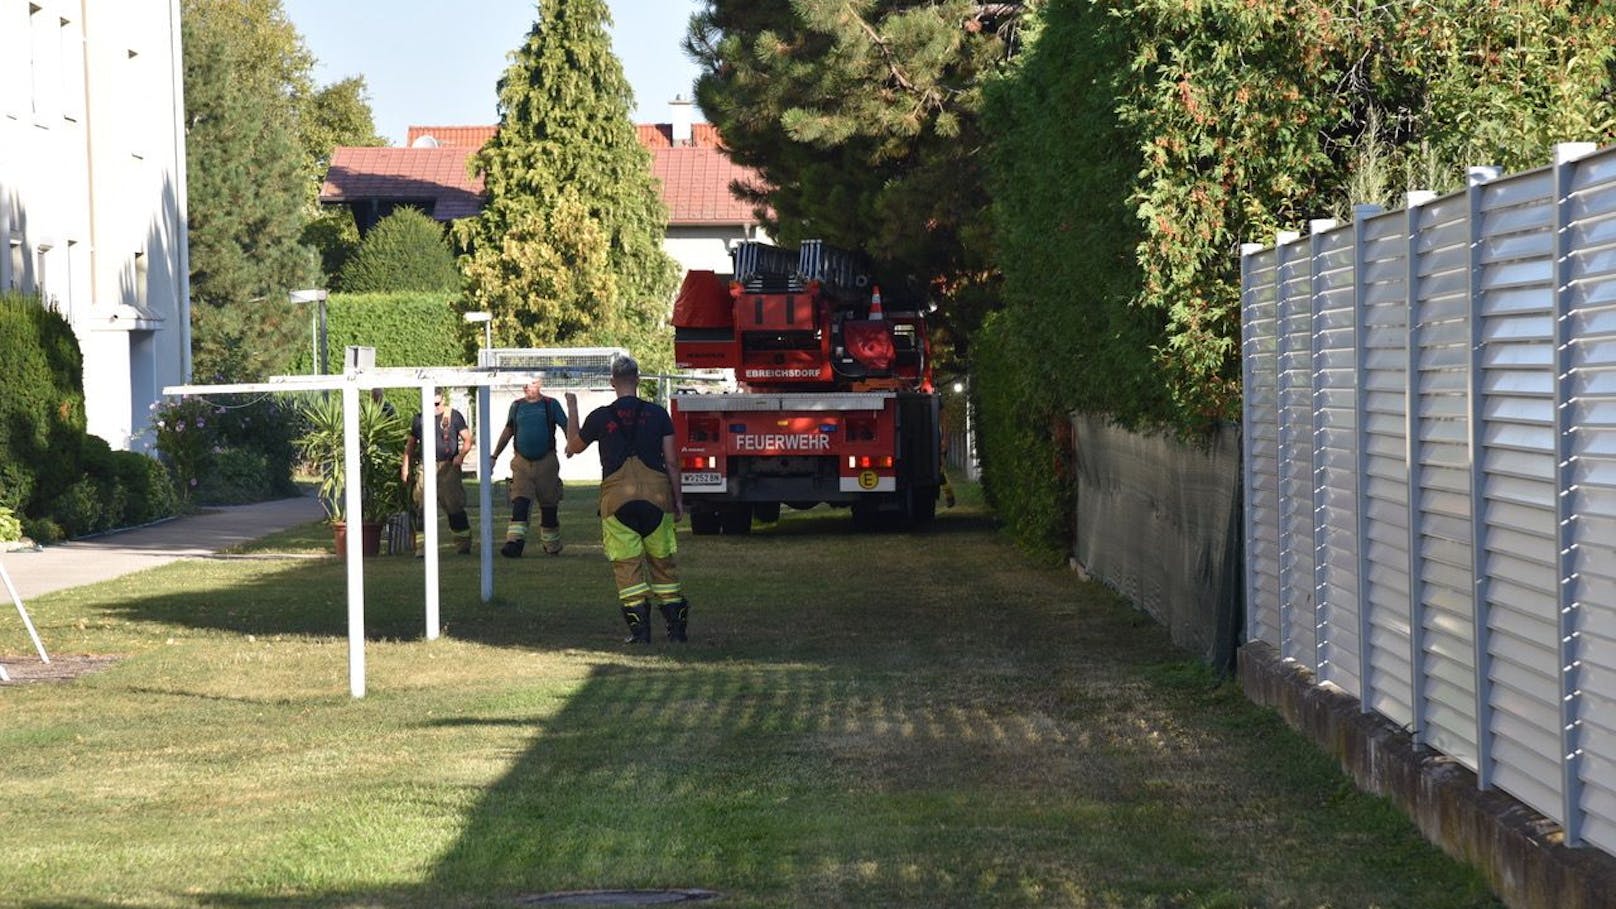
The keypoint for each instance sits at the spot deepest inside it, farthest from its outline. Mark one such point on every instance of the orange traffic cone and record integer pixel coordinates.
(875, 304)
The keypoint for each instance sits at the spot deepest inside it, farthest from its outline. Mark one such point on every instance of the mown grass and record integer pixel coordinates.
(897, 719)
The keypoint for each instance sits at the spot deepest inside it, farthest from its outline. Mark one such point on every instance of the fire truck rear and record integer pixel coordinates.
(836, 402)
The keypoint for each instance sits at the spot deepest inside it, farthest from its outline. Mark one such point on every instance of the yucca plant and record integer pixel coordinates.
(381, 454)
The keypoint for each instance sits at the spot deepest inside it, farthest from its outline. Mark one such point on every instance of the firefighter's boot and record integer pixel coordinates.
(639, 623)
(512, 548)
(677, 615)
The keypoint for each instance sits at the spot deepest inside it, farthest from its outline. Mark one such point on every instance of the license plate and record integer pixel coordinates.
(710, 478)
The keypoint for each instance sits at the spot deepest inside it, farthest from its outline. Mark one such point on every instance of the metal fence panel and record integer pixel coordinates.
(1440, 385)
(1383, 298)
(1515, 303)
(1294, 302)
(1260, 443)
(1335, 458)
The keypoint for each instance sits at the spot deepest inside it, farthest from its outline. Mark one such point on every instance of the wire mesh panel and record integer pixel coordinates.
(1515, 302)
(1383, 493)
(1295, 386)
(1592, 498)
(1442, 528)
(1335, 458)
(1260, 434)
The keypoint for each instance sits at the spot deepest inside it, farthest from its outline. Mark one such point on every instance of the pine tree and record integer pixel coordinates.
(248, 189)
(568, 248)
(862, 120)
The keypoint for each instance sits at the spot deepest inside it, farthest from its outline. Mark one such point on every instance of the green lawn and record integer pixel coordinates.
(893, 719)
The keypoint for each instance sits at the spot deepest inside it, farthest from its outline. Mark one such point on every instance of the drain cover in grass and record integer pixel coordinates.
(617, 898)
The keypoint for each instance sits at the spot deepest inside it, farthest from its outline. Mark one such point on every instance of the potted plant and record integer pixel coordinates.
(381, 453)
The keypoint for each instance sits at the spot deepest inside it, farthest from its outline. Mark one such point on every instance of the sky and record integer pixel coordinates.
(435, 63)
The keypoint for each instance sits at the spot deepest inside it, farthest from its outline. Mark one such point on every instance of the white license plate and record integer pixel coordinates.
(709, 478)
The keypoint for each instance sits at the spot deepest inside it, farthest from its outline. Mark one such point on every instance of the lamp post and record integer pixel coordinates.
(314, 295)
(487, 318)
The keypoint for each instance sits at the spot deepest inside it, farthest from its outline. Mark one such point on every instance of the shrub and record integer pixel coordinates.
(238, 476)
(183, 440)
(10, 527)
(42, 530)
(406, 329)
(83, 508)
(405, 251)
(148, 490)
(41, 404)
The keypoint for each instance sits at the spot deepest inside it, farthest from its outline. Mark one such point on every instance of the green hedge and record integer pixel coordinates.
(41, 404)
(406, 251)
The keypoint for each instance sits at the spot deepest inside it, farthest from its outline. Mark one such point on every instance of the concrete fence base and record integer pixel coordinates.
(1519, 851)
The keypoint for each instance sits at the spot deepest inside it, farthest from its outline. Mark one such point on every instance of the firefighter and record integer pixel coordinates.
(453, 441)
(535, 469)
(639, 501)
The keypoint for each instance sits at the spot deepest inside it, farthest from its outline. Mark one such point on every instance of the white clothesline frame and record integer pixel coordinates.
(350, 383)
(26, 621)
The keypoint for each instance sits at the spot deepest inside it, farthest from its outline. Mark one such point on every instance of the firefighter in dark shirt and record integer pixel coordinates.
(639, 501)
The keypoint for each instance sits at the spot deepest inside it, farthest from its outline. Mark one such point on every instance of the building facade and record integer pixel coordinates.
(92, 192)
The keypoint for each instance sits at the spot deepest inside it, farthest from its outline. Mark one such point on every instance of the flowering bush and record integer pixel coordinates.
(184, 441)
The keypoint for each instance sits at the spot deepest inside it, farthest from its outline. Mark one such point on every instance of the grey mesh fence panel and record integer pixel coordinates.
(1260, 444)
(1591, 311)
(1295, 377)
(1442, 530)
(1463, 473)
(1515, 303)
(1335, 459)
(1383, 490)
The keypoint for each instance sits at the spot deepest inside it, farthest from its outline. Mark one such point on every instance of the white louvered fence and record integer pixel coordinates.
(1430, 470)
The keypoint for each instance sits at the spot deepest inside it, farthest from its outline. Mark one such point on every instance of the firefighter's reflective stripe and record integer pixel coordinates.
(862, 483)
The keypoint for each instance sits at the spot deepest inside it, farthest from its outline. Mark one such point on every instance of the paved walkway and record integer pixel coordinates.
(115, 554)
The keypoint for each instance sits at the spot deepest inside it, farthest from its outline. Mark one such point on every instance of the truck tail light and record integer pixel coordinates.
(698, 462)
(865, 462)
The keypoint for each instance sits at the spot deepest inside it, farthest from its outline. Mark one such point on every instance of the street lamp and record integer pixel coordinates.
(314, 295)
(487, 318)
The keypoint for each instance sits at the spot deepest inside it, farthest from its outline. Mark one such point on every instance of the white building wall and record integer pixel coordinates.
(707, 247)
(92, 191)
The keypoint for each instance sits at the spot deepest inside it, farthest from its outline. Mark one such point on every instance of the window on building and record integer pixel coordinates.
(17, 260)
(71, 36)
(15, 65)
(45, 45)
(135, 90)
(142, 281)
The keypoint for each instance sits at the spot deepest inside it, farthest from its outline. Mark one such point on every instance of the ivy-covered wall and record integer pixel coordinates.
(1137, 144)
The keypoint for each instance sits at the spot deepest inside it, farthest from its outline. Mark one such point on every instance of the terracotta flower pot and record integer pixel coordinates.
(370, 539)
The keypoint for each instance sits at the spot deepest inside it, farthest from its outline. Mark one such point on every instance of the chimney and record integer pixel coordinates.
(679, 112)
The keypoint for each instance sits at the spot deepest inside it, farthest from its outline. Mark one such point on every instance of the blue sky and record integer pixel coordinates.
(433, 62)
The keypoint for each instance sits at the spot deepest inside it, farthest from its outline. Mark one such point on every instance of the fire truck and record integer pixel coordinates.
(835, 401)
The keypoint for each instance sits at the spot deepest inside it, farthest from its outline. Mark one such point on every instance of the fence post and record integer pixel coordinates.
(1481, 636)
(1322, 634)
(1411, 456)
(1360, 214)
(1283, 241)
(1569, 613)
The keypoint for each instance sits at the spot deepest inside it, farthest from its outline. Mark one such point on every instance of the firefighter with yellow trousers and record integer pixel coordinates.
(639, 501)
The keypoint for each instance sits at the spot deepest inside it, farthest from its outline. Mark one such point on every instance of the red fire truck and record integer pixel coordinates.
(836, 403)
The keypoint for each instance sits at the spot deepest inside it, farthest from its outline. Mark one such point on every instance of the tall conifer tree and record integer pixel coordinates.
(248, 189)
(568, 248)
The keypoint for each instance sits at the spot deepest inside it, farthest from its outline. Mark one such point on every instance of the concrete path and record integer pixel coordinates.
(115, 554)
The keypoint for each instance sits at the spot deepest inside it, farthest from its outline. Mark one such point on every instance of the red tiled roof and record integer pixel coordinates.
(695, 185)
(452, 136)
(434, 176)
(695, 179)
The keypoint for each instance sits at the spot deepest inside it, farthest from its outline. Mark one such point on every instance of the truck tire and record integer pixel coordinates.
(767, 512)
(704, 522)
(866, 516)
(736, 519)
(921, 505)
